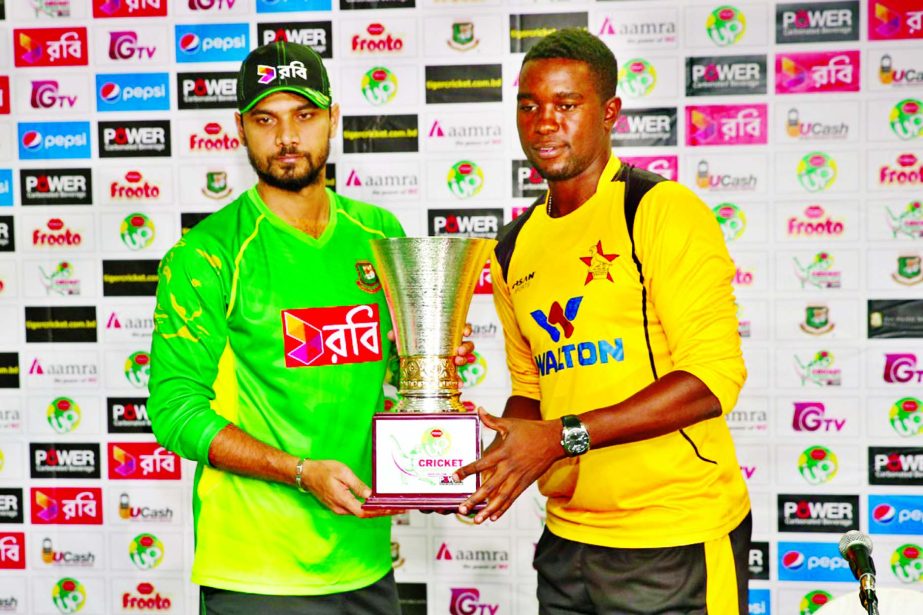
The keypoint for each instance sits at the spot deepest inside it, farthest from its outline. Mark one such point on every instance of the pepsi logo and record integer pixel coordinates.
(110, 91)
(793, 560)
(884, 513)
(189, 42)
(32, 140)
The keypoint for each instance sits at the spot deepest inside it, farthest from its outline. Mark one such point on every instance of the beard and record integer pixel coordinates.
(287, 177)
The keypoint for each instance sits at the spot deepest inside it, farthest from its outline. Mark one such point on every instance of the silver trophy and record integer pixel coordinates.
(428, 284)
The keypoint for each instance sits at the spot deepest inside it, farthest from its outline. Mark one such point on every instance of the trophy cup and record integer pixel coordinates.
(428, 284)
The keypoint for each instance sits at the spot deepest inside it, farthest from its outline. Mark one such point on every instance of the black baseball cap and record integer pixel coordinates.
(282, 67)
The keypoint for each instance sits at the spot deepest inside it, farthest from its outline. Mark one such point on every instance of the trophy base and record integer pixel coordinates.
(417, 502)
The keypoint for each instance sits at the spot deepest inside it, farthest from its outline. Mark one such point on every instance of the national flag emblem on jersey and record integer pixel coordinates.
(368, 279)
(331, 335)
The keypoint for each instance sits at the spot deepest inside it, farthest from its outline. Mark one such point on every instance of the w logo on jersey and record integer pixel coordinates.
(558, 317)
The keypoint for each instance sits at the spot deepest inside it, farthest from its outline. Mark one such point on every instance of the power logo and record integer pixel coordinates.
(332, 335)
(558, 317)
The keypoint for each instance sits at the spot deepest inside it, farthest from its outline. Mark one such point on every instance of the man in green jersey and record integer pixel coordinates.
(270, 348)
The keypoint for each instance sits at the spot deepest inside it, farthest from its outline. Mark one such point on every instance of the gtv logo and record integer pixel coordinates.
(558, 317)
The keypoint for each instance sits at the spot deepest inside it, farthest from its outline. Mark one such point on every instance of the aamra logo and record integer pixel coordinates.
(725, 25)
(63, 415)
(146, 551)
(817, 465)
(637, 78)
(598, 263)
(138, 369)
(465, 179)
(816, 171)
(68, 595)
(331, 336)
(558, 317)
(731, 219)
(906, 119)
(906, 416)
(137, 231)
(907, 563)
(813, 601)
(379, 86)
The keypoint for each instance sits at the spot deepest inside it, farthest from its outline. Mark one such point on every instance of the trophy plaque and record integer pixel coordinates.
(428, 284)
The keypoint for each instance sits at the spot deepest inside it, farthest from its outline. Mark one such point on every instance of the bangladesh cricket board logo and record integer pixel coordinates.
(909, 270)
(216, 185)
(146, 551)
(816, 172)
(906, 416)
(379, 86)
(817, 320)
(368, 278)
(637, 78)
(463, 38)
(138, 369)
(906, 119)
(68, 595)
(817, 465)
(907, 564)
(63, 415)
(465, 179)
(731, 219)
(813, 601)
(137, 231)
(725, 25)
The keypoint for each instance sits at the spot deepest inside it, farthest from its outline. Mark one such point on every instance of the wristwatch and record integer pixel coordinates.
(574, 437)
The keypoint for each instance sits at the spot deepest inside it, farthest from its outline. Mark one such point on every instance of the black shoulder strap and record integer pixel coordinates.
(637, 183)
(506, 237)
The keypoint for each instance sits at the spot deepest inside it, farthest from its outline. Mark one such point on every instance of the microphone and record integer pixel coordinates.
(856, 548)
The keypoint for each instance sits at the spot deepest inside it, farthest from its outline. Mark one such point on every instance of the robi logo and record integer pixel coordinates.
(558, 317)
(332, 335)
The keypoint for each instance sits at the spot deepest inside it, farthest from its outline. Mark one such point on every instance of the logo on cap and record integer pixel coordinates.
(267, 73)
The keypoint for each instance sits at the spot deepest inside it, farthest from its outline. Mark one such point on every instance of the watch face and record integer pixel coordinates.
(577, 441)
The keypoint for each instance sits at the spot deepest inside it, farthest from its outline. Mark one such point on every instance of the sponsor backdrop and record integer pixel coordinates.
(799, 124)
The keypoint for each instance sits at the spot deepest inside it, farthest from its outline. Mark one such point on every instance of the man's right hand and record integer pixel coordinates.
(339, 489)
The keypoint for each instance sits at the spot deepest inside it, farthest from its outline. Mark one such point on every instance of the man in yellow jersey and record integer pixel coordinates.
(249, 379)
(614, 291)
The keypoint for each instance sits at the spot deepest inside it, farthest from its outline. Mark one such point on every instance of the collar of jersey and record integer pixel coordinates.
(285, 227)
(603, 191)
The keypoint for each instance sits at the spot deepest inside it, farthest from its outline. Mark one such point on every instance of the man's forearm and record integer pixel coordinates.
(235, 451)
(675, 401)
(519, 407)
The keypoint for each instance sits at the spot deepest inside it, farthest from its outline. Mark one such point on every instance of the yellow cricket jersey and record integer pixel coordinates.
(582, 332)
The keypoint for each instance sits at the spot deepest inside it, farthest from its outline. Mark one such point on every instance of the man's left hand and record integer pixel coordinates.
(523, 451)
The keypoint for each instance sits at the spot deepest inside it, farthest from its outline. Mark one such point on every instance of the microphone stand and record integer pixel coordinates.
(867, 594)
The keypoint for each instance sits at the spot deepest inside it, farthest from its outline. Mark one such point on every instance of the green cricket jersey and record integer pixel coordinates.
(260, 325)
